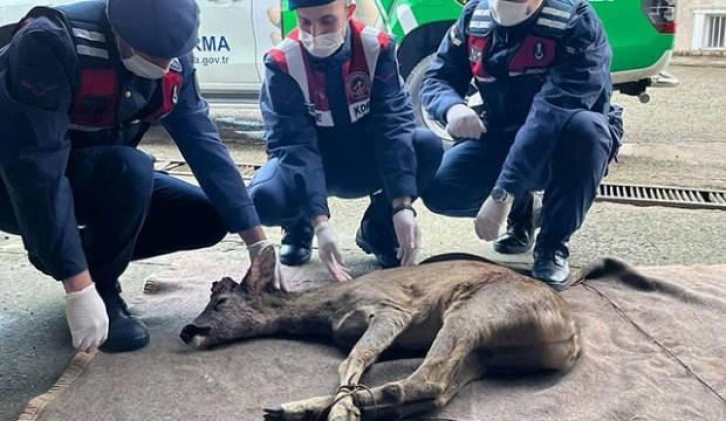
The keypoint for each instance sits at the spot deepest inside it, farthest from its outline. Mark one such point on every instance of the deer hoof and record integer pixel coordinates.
(305, 410)
(274, 414)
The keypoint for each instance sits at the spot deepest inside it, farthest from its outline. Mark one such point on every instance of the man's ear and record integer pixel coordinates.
(261, 274)
(351, 8)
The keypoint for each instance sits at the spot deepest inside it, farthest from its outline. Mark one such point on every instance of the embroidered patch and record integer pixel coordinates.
(358, 86)
(475, 54)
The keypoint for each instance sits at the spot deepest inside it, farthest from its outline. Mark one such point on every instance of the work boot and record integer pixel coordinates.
(376, 234)
(125, 332)
(297, 243)
(551, 264)
(521, 224)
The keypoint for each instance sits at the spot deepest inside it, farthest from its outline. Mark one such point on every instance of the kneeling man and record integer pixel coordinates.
(339, 123)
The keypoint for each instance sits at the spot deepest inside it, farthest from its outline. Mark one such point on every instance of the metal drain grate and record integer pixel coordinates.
(632, 194)
(681, 197)
(181, 169)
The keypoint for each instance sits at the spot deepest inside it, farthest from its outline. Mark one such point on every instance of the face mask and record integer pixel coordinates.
(143, 68)
(508, 13)
(322, 45)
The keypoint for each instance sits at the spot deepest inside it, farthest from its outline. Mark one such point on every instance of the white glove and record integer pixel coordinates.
(408, 235)
(491, 217)
(254, 250)
(329, 252)
(87, 318)
(464, 123)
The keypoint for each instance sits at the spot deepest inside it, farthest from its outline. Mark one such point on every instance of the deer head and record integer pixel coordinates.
(236, 311)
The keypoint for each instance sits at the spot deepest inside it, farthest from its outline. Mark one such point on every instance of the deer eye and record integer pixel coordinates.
(219, 303)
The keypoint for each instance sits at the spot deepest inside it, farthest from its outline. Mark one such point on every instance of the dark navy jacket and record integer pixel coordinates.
(382, 134)
(533, 77)
(39, 74)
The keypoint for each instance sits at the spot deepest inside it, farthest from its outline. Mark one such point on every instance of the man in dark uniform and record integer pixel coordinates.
(339, 123)
(543, 70)
(80, 85)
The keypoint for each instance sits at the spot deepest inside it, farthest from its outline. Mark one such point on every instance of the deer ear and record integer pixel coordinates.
(226, 284)
(261, 274)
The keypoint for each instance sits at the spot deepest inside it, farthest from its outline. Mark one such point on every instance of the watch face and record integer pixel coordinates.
(499, 194)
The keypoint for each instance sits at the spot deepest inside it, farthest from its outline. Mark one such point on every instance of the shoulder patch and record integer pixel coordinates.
(555, 16)
(480, 23)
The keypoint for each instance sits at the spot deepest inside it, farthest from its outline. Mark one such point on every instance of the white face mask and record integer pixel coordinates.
(143, 68)
(508, 13)
(322, 45)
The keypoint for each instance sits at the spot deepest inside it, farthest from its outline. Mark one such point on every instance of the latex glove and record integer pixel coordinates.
(254, 250)
(408, 235)
(464, 123)
(491, 217)
(329, 252)
(87, 318)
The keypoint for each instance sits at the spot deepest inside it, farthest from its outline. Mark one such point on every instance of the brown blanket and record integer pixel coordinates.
(655, 354)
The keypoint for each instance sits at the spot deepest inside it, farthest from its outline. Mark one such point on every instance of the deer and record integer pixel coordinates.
(468, 315)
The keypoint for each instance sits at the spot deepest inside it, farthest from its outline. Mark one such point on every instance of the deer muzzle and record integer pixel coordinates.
(194, 335)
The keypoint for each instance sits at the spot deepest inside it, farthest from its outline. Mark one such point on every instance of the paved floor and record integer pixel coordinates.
(677, 139)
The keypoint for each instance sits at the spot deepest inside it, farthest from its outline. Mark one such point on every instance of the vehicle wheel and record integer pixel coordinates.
(6, 33)
(414, 82)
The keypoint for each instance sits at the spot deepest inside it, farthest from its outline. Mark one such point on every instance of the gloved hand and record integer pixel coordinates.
(464, 123)
(490, 218)
(408, 235)
(254, 250)
(329, 252)
(87, 318)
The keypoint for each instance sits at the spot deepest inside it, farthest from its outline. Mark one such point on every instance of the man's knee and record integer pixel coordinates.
(429, 151)
(587, 134)
(440, 199)
(269, 193)
(269, 203)
(213, 228)
(125, 173)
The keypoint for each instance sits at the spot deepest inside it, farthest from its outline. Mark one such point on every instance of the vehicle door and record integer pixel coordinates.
(226, 55)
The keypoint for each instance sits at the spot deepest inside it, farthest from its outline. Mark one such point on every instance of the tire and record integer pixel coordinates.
(6, 33)
(414, 83)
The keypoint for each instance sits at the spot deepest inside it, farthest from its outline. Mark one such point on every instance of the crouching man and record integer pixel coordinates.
(79, 86)
(339, 123)
(542, 68)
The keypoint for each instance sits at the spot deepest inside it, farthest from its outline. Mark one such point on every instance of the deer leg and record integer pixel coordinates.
(449, 365)
(382, 331)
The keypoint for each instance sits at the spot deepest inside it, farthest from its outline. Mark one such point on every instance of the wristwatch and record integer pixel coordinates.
(500, 195)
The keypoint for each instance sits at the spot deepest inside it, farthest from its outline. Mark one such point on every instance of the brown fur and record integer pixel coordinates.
(471, 316)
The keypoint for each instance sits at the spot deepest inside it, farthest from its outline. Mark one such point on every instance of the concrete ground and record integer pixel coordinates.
(677, 139)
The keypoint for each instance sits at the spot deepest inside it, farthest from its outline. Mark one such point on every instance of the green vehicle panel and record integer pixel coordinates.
(640, 50)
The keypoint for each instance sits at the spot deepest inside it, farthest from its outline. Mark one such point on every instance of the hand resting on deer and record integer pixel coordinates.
(470, 316)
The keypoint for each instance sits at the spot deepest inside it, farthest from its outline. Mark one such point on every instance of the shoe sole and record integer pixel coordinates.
(360, 242)
(127, 345)
(510, 250)
(293, 262)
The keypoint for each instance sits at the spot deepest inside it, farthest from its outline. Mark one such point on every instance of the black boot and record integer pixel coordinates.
(297, 243)
(551, 264)
(376, 234)
(125, 332)
(521, 224)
